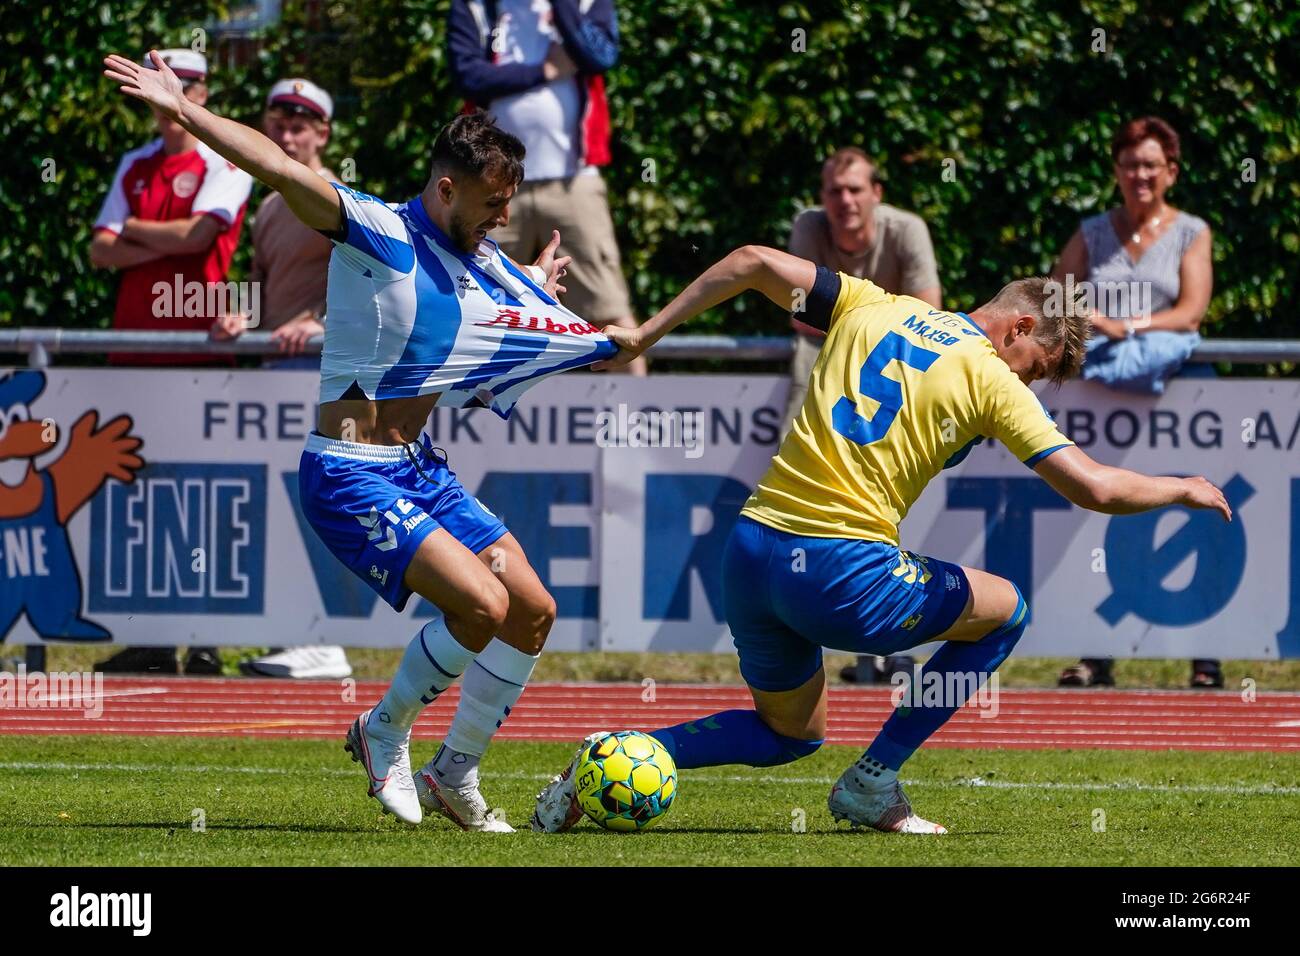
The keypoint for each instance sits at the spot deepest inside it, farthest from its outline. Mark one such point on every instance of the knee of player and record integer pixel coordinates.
(797, 748)
(543, 612)
(540, 617)
(1021, 610)
(489, 608)
(1008, 634)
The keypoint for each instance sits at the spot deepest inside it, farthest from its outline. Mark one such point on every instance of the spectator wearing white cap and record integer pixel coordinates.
(291, 266)
(171, 217)
(290, 261)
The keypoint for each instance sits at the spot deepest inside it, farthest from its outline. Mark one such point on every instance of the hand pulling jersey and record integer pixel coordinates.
(409, 313)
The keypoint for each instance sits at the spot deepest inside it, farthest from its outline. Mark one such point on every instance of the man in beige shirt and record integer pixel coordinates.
(290, 260)
(291, 268)
(853, 232)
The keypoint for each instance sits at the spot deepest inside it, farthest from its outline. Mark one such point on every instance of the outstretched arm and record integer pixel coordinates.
(1118, 491)
(772, 272)
(312, 199)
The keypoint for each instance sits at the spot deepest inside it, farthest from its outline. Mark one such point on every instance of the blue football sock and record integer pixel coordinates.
(733, 736)
(908, 728)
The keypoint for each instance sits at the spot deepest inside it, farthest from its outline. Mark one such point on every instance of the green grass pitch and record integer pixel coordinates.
(139, 801)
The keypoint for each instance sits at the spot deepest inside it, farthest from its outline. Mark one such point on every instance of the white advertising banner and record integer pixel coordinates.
(622, 492)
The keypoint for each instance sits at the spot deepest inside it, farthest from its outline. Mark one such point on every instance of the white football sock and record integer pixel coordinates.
(491, 687)
(431, 664)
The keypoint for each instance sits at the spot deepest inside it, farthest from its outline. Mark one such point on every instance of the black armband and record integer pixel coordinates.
(821, 300)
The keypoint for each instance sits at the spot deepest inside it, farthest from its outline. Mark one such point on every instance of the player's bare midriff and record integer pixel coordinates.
(392, 421)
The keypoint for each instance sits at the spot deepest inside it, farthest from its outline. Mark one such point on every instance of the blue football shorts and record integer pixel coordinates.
(373, 505)
(787, 596)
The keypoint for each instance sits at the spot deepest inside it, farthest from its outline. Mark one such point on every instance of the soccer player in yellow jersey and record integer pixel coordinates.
(900, 391)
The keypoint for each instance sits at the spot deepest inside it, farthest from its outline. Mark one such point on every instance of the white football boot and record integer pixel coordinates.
(312, 661)
(557, 807)
(387, 760)
(463, 806)
(885, 808)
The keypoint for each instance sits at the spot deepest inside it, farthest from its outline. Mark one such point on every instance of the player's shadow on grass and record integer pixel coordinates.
(859, 834)
(691, 831)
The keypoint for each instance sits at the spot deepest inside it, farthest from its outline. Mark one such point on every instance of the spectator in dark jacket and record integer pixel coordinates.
(539, 67)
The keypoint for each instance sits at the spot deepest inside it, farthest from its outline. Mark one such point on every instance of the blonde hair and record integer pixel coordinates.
(1068, 331)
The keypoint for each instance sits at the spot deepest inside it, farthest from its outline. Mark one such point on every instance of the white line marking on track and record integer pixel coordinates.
(47, 701)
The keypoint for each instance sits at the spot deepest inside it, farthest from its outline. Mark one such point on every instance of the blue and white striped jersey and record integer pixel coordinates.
(408, 313)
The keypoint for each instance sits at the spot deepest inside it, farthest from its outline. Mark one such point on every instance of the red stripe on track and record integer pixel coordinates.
(1025, 719)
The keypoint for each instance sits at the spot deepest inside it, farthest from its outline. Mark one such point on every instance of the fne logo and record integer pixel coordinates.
(185, 538)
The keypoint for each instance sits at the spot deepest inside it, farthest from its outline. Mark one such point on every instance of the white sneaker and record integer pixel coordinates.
(464, 807)
(882, 808)
(387, 760)
(319, 661)
(557, 807)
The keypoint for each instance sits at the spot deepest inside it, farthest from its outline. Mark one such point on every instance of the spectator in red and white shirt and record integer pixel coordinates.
(172, 216)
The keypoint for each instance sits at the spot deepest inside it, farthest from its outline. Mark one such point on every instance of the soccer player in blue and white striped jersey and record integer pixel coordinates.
(423, 310)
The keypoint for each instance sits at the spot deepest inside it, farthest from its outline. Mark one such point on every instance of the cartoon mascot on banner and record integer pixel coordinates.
(38, 574)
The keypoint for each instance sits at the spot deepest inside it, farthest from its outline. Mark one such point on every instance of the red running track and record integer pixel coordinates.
(1025, 719)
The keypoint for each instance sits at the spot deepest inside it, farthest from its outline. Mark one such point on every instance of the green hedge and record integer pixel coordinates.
(736, 122)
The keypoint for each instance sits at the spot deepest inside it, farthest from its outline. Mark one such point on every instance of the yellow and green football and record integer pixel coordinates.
(625, 780)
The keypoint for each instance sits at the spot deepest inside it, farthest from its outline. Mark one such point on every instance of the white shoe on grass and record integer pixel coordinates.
(557, 807)
(463, 806)
(387, 760)
(885, 808)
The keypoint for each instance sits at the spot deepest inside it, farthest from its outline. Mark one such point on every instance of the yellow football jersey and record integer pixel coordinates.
(899, 390)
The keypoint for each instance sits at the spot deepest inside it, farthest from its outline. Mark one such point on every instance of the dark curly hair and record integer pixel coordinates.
(474, 145)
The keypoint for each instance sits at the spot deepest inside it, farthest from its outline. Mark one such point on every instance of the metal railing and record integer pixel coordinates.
(40, 344)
